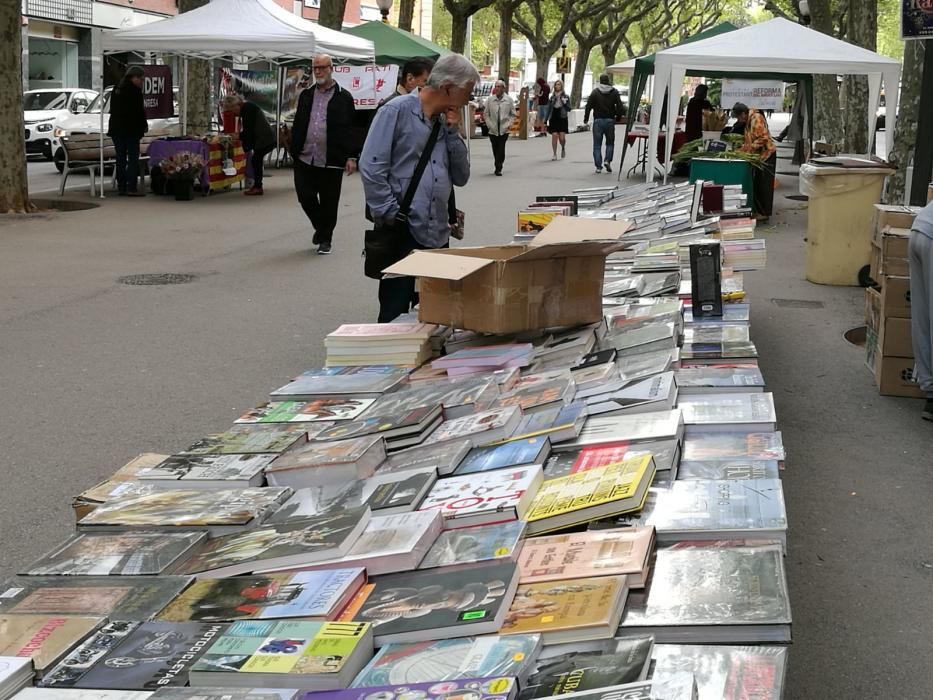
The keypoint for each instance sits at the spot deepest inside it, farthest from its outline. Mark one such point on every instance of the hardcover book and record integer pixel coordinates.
(208, 471)
(135, 656)
(16, 672)
(43, 638)
(729, 412)
(451, 659)
(617, 552)
(734, 469)
(291, 544)
(676, 686)
(328, 462)
(247, 440)
(514, 453)
(436, 603)
(714, 595)
(345, 381)
(538, 396)
(626, 660)
(711, 380)
(498, 688)
(727, 672)
(390, 427)
(126, 554)
(459, 398)
(566, 463)
(572, 610)
(571, 500)
(314, 595)
(219, 512)
(116, 597)
(202, 693)
(75, 694)
(443, 457)
(310, 655)
(558, 423)
(325, 408)
(719, 446)
(643, 427)
(500, 496)
(501, 541)
(657, 393)
(479, 428)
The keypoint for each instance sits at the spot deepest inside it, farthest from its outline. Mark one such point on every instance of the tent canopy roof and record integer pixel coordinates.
(778, 46)
(394, 45)
(646, 63)
(624, 68)
(255, 29)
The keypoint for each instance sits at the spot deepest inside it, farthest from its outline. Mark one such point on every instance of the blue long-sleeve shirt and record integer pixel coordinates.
(393, 147)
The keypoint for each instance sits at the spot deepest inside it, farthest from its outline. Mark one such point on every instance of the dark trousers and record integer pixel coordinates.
(318, 192)
(127, 155)
(397, 294)
(257, 161)
(498, 149)
(763, 181)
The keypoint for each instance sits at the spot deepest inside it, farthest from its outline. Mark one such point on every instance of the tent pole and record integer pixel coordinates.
(184, 112)
(278, 114)
(102, 128)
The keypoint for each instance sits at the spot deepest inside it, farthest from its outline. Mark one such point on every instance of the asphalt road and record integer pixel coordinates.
(93, 372)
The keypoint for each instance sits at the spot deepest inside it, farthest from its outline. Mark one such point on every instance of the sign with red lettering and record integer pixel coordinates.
(368, 84)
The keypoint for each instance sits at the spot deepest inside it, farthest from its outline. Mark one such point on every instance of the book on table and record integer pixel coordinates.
(719, 446)
(358, 384)
(207, 471)
(328, 462)
(712, 380)
(44, 639)
(558, 424)
(80, 694)
(496, 688)
(501, 541)
(643, 427)
(514, 453)
(727, 672)
(657, 393)
(323, 408)
(226, 694)
(247, 439)
(665, 452)
(500, 496)
(480, 428)
(16, 672)
(443, 457)
(674, 686)
(730, 469)
(736, 412)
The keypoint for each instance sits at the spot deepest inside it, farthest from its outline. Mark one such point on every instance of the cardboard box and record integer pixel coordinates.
(509, 289)
(895, 296)
(893, 241)
(894, 338)
(894, 216)
(894, 376)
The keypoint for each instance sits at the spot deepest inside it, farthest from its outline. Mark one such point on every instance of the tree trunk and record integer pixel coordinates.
(406, 14)
(828, 117)
(331, 14)
(14, 191)
(905, 136)
(579, 72)
(862, 25)
(198, 85)
(505, 9)
(458, 31)
(542, 60)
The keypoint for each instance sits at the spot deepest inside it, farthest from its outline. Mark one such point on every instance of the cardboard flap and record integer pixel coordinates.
(571, 250)
(425, 263)
(572, 229)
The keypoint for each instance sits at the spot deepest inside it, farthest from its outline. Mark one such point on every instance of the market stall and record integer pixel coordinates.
(393, 45)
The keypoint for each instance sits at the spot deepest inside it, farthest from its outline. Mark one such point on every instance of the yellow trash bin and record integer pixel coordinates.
(839, 228)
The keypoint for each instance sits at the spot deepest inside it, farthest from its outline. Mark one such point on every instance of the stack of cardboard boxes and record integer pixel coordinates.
(887, 310)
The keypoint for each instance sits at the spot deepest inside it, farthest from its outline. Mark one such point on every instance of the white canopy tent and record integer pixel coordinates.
(777, 46)
(624, 68)
(253, 29)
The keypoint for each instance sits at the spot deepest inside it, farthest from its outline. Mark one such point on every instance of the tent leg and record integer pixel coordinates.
(184, 112)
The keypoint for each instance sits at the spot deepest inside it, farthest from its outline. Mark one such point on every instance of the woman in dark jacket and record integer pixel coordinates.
(255, 135)
(127, 127)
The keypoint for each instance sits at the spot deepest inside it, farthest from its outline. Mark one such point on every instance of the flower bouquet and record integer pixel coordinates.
(182, 170)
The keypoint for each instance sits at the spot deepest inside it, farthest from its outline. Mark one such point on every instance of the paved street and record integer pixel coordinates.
(94, 372)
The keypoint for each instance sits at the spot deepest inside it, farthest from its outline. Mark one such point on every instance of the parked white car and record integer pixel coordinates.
(88, 122)
(42, 108)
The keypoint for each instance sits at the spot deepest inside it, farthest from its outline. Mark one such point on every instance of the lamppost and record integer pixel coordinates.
(384, 7)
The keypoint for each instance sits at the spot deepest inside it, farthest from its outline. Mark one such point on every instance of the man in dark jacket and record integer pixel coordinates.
(322, 146)
(256, 136)
(606, 105)
(126, 128)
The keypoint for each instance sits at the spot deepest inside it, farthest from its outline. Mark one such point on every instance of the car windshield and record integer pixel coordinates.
(34, 101)
(95, 105)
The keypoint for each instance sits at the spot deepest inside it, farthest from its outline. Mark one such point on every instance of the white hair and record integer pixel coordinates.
(452, 69)
(501, 82)
(230, 101)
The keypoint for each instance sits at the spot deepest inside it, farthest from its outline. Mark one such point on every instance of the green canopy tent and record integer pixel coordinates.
(394, 45)
(644, 68)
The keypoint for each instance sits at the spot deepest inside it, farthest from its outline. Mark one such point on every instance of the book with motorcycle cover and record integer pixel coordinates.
(286, 654)
(624, 660)
(135, 656)
(437, 603)
(313, 595)
(116, 597)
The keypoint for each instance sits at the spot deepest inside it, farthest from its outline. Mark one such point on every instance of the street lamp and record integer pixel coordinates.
(384, 7)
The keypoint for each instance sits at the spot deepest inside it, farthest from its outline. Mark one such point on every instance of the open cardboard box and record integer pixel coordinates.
(514, 288)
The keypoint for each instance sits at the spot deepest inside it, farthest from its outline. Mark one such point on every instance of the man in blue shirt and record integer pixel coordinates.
(921, 302)
(396, 139)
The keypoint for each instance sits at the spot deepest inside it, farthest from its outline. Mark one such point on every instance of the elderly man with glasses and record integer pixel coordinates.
(322, 147)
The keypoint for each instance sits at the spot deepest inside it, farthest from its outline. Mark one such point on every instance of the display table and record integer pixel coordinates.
(723, 172)
(212, 177)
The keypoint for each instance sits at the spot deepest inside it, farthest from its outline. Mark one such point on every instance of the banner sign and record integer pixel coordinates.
(916, 19)
(757, 94)
(257, 86)
(158, 98)
(367, 84)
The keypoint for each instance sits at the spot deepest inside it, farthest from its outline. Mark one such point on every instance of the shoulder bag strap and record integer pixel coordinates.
(405, 206)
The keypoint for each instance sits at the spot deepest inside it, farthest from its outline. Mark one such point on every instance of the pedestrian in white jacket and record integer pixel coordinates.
(499, 113)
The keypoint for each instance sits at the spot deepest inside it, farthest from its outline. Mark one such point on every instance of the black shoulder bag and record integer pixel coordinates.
(385, 245)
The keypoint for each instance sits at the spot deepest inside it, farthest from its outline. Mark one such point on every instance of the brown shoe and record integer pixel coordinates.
(253, 192)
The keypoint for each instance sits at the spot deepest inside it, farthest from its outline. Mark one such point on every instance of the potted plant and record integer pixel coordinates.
(182, 170)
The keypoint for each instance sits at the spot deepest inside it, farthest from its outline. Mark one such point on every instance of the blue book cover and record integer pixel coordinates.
(509, 454)
(501, 688)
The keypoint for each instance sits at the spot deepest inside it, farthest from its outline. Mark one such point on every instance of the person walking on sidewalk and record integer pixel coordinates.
(413, 75)
(256, 136)
(499, 113)
(542, 96)
(322, 147)
(557, 125)
(412, 157)
(920, 252)
(128, 125)
(605, 104)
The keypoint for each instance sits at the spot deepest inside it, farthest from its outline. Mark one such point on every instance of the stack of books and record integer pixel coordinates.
(587, 512)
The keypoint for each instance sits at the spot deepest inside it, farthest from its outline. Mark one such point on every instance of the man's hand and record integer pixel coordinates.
(351, 166)
(453, 118)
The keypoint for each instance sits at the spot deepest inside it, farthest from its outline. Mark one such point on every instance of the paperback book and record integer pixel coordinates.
(644, 427)
(227, 694)
(397, 428)
(711, 380)
(44, 639)
(328, 462)
(665, 453)
(514, 453)
(497, 688)
(208, 471)
(359, 382)
(558, 424)
(459, 398)
(735, 469)
(325, 408)
(247, 440)
(502, 541)
(720, 446)
(657, 393)
(727, 672)
(500, 496)
(444, 458)
(479, 428)
(752, 412)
